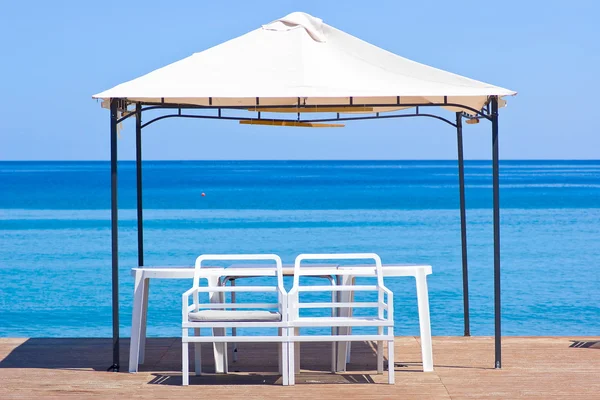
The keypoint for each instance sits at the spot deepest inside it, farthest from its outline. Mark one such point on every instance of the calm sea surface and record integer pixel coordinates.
(55, 267)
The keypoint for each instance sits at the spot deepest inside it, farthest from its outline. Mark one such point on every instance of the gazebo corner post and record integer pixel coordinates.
(463, 224)
(496, 204)
(114, 233)
(138, 166)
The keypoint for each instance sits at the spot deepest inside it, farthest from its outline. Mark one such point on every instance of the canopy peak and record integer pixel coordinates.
(312, 25)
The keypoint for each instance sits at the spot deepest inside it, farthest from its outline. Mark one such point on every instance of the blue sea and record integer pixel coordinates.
(55, 260)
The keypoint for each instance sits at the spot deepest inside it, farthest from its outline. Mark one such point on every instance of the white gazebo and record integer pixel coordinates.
(299, 71)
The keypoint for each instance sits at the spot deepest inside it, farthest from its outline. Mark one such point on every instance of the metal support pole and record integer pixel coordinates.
(138, 167)
(114, 233)
(496, 185)
(463, 223)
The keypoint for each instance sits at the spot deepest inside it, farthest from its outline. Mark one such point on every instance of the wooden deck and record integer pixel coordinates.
(533, 367)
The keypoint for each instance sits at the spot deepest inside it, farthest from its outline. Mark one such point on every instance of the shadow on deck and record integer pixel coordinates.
(538, 367)
(593, 344)
(257, 362)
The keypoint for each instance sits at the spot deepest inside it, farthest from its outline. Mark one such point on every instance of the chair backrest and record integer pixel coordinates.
(239, 257)
(313, 302)
(298, 271)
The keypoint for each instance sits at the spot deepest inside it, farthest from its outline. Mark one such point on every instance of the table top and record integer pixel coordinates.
(241, 270)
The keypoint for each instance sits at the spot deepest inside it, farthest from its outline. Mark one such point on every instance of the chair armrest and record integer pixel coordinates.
(281, 289)
(390, 300)
(185, 300)
(283, 303)
(385, 289)
(191, 291)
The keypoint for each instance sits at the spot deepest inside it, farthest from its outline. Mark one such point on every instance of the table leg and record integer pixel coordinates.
(349, 344)
(220, 349)
(334, 329)
(280, 364)
(234, 330)
(424, 321)
(197, 354)
(380, 351)
(144, 324)
(342, 347)
(297, 352)
(136, 321)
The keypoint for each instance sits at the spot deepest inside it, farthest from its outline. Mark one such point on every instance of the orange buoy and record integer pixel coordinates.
(203, 194)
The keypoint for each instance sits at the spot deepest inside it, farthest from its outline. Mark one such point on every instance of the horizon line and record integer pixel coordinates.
(313, 160)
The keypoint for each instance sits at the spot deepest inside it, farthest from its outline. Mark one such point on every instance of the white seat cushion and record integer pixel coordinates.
(234, 315)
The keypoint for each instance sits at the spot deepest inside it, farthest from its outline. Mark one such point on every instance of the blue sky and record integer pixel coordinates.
(55, 55)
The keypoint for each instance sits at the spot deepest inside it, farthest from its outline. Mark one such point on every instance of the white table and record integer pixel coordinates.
(213, 275)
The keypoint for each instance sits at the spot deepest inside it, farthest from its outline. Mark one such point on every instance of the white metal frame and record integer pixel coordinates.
(384, 321)
(219, 327)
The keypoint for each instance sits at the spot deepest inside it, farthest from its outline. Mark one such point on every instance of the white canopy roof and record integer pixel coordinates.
(299, 56)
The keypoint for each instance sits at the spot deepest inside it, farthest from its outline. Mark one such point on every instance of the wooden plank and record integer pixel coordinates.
(320, 109)
(290, 123)
(534, 367)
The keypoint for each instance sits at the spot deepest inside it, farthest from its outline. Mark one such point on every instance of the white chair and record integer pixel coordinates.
(382, 320)
(219, 316)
